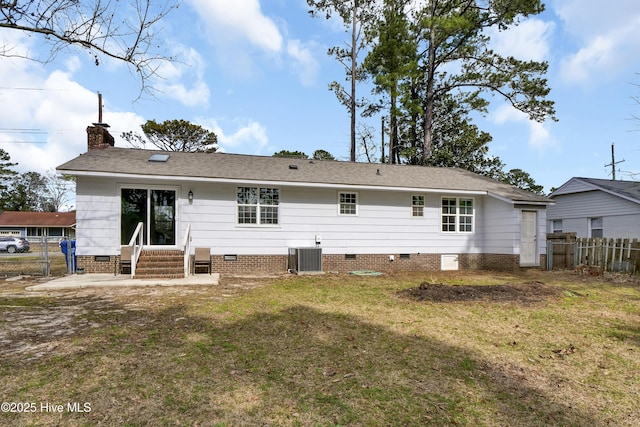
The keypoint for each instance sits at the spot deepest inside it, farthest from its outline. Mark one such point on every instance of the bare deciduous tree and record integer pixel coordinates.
(61, 190)
(367, 146)
(121, 30)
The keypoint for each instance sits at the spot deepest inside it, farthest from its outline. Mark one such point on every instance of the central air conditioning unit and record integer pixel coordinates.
(305, 260)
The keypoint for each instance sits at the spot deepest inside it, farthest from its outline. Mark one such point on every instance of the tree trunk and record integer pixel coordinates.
(382, 159)
(354, 70)
(429, 101)
(393, 130)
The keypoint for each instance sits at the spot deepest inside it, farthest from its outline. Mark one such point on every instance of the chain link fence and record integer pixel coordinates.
(44, 258)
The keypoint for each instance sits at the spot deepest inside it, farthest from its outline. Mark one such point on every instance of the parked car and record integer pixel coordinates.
(14, 244)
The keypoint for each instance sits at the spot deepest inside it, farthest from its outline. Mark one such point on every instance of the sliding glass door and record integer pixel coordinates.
(155, 208)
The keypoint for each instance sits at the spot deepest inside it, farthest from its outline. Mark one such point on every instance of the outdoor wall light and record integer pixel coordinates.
(190, 195)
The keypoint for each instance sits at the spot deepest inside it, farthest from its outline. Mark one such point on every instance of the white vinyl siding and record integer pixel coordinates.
(620, 217)
(574, 186)
(97, 217)
(590, 204)
(382, 223)
(497, 226)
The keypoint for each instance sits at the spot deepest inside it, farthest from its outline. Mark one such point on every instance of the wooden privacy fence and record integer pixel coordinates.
(616, 255)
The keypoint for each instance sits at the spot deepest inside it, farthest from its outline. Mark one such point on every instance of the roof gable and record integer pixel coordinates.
(628, 190)
(114, 161)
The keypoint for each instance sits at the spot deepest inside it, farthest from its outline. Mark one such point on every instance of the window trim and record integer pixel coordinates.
(592, 228)
(357, 198)
(458, 215)
(414, 206)
(258, 206)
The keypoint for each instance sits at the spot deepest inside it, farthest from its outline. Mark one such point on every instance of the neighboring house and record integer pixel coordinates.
(35, 225)
(250, 210)
(593, 207)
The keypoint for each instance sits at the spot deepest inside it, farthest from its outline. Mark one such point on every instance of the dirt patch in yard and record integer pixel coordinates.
(523, 293)
(35, 324)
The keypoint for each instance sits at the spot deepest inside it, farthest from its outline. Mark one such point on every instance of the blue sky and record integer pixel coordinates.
(256, 73)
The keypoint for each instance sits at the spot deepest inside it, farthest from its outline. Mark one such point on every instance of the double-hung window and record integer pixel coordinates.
(449, 214)
(348, 203)
(596, 228)
(417, 206)
(465, 215)
(258, 205)
(457, 215)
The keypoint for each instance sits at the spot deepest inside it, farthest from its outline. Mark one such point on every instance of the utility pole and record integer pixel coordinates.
(613, 162)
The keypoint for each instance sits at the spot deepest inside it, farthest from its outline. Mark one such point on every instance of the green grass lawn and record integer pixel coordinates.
(326, 350)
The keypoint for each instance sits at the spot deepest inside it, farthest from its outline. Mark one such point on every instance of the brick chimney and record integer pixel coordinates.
(98, 137)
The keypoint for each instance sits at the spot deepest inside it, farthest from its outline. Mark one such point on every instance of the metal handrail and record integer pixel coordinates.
(137, 243)
(186, 248)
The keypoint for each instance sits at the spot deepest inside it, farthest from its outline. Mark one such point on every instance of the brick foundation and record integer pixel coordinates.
(249, 264)
(501, 262)
(91, 265)
(257, 264)
(379, 262)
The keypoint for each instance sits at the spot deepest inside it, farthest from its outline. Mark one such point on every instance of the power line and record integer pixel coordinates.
(23, 142)
(33, 88)
(40, 131)
(34, 131)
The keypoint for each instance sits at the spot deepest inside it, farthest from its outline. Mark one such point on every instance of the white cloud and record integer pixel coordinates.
(529, 40)
(597, 57)
(14, 44)
(248, 137)
(196, 95)
(190, 67)
(73, 64)
(303, 62)
(539, 137)
(606, 38)
(586, 18)
(46, 124)
(240, 18)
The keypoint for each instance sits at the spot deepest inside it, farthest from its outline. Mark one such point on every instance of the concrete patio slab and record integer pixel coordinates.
(78, 281)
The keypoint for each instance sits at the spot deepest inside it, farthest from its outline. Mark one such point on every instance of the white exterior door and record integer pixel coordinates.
(528, 238)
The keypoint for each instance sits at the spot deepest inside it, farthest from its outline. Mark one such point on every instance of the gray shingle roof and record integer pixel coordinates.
(212, 166)
(626, 189)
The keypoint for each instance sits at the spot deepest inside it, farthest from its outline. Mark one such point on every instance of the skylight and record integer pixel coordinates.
(160, 158)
